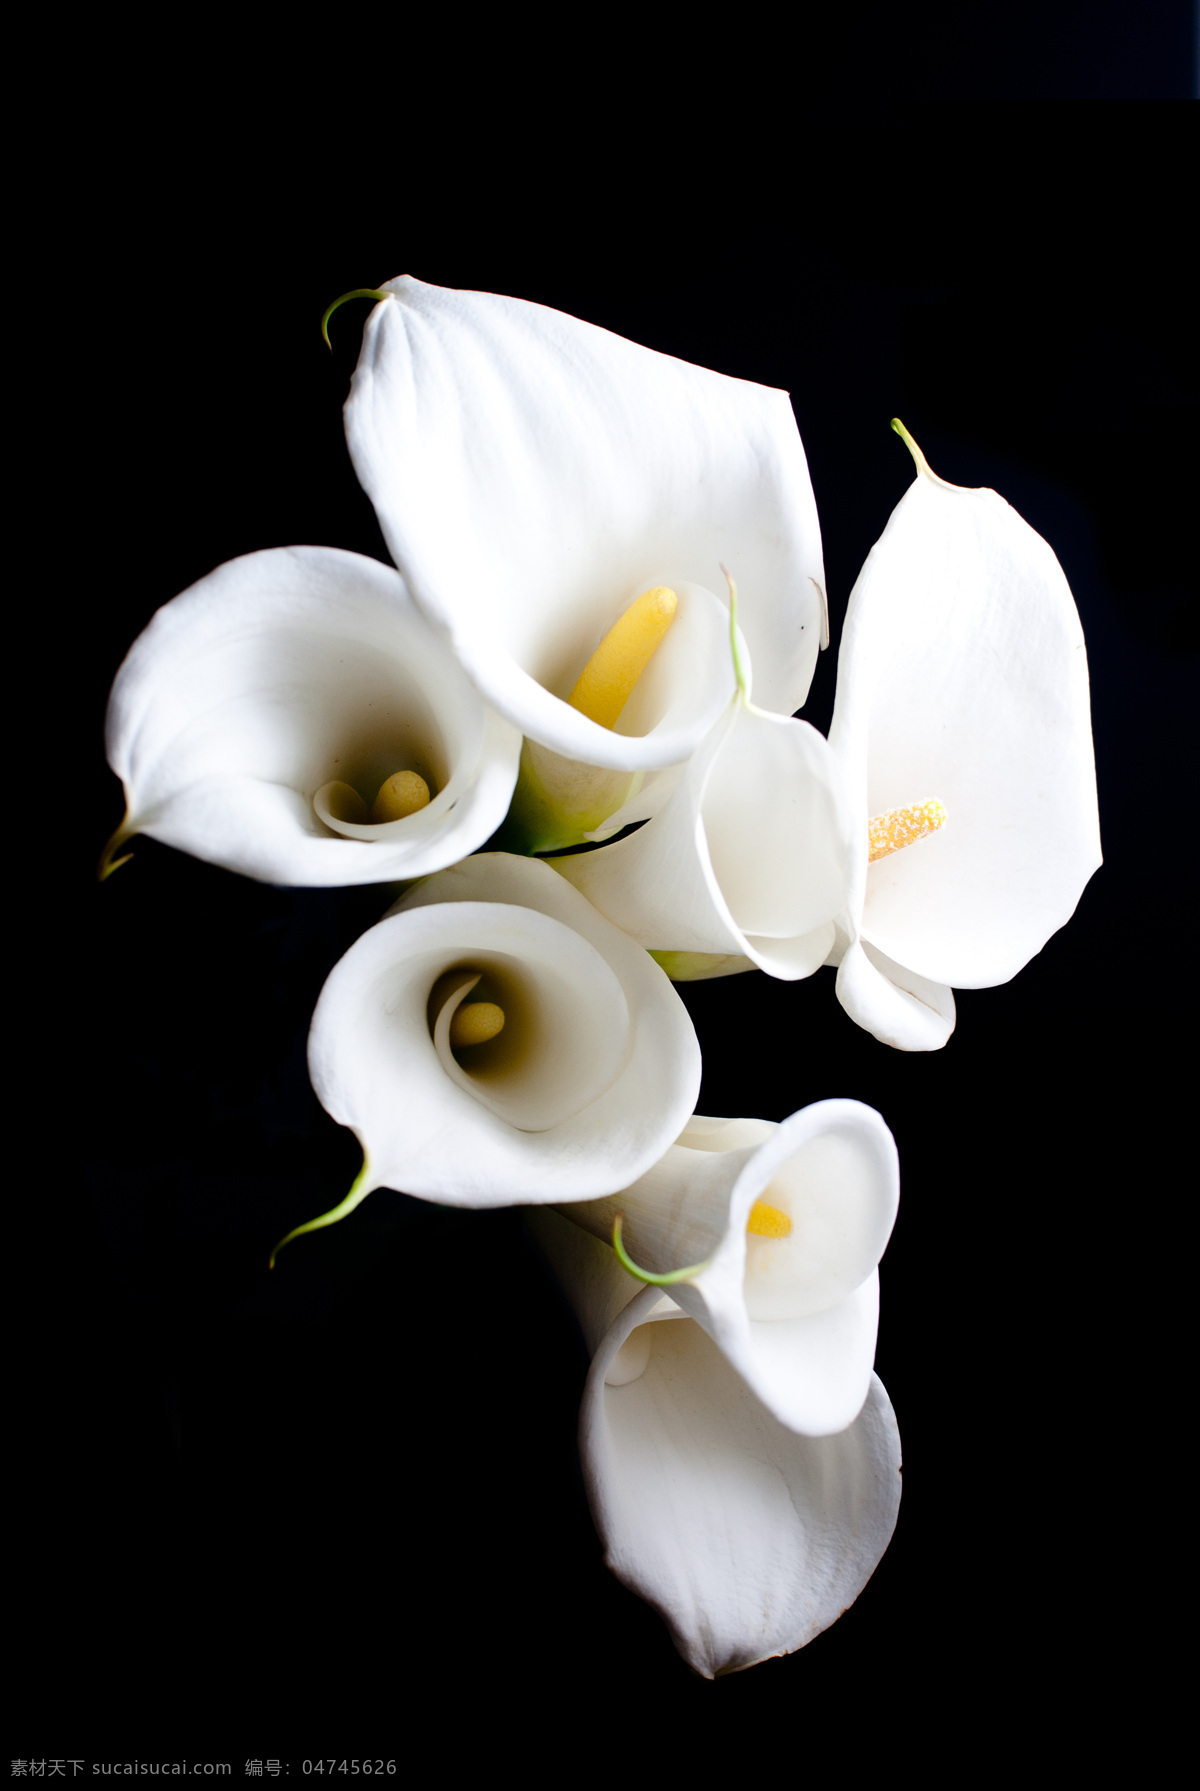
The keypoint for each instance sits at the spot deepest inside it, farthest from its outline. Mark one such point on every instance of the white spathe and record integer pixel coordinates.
(746, 859)
(797, 1316)
(962, 675)
(533, 474)
(278, 674)
(596, 1070)
(748, 1538)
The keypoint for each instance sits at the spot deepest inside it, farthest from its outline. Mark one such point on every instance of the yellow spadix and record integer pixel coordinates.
(404, 793)
(767, 1221)
(474, 1023)
(606, 683)
(902, 826)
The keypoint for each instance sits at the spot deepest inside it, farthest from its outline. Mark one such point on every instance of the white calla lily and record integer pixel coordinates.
(593, 1074)
(749, 1539)
(782, 1227)
(962, 684)
(255, 719)
(533, 474)
(562, 802)
(745, 863)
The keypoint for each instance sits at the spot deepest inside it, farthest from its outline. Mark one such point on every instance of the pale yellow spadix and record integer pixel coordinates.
(474, 1023)
(404, 793)
(606, 683)
(902, 826)
(767, 1221)
(345, 803)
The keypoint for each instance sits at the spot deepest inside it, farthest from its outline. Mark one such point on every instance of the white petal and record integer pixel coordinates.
(532, 474)
(832, 1168)
(278, 673)
(900, 1008)
(596, 1070)
(647, 799)
(747, 858)
(748, 1539)
(590, 1275)
(811, 1373)
(704, 1132)
(962, 675)
(773, 828)
(796, 1315)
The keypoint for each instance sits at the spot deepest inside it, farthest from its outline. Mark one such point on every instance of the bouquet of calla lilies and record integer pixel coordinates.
(562, 731)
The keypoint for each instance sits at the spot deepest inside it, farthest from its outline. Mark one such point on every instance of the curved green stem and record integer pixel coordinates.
(922, 464)
(370, 292)
(919, 460)
(358, 1193)
(626, 1261)
(108, 864)
(739, 669)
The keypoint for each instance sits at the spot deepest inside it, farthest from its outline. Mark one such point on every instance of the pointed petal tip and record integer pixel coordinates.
(370, 292)
(919, 460)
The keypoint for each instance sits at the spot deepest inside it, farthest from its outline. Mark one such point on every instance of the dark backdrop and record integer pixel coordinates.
(317, 1511)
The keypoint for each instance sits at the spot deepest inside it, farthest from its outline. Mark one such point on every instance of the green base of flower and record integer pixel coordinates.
(698, 966)
(558, 802)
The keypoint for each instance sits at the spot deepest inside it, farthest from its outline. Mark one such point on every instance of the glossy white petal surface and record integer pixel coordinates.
(533, 474)
(596, 1070)
(747, 857)
(962, 675)
(900, 1008)
(281, 672)
(748, 1539)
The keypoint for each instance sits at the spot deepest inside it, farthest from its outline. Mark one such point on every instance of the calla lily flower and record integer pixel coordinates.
(746, 862)
(255, 720)
(962, 693)
(567, 1073)
(778, 1230)
(748, 1538)
(533, 474)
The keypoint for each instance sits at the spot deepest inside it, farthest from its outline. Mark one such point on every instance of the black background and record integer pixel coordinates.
(324, 1510)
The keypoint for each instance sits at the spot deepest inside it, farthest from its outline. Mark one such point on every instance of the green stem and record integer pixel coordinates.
(358, 1193)
(739, 670)
(626, 1261)
(370, 292)
(919, 460)
(108, 864)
